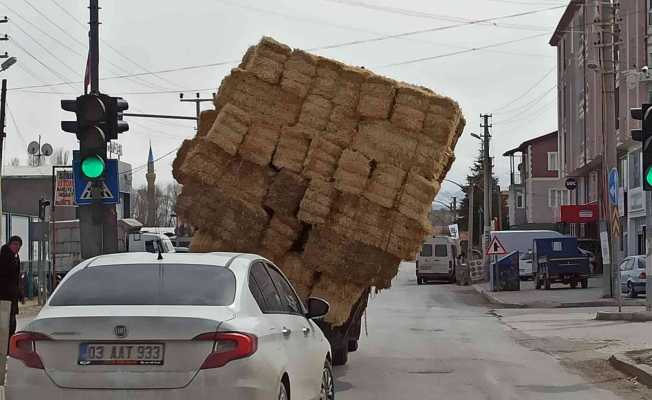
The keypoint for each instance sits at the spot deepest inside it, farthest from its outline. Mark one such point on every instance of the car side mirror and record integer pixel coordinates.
(317, 308)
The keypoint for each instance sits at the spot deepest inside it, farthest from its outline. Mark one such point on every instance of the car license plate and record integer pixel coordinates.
(121, 353)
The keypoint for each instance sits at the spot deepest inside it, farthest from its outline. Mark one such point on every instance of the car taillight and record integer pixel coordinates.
(228, 346)
(643, 275)
(22, 346)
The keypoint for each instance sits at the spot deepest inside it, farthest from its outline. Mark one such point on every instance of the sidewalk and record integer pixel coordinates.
(560, 296)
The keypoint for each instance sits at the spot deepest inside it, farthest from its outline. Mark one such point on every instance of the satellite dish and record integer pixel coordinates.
(46, 150)
(32, 148)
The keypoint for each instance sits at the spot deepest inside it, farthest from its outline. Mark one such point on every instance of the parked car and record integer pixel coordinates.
(437, 259)
(525, 266)
(193, 326)
(632, 276)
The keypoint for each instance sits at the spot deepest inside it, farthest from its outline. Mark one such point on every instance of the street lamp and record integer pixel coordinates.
(8, 63)
(476, 136)
(455, 183)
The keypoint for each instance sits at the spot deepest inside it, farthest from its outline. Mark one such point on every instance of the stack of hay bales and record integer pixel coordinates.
(326, 169)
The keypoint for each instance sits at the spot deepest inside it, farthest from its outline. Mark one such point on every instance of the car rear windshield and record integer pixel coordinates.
(641, 263)
(426, 250)
(440, 250)
(149, 284)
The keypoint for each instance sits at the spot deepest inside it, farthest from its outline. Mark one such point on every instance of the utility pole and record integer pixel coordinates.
(471, 222)
(454, 210)
(197, 100)
(608, 40)
(486, 162)
(3, 101)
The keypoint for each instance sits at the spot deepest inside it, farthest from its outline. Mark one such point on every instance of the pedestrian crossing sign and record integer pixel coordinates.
(104, 191)
(108, 190)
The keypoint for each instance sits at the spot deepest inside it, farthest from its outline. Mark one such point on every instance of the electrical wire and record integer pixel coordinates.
(54, 72)
(528, 91)
(421, 14)
(140, 167)
(153, 73)
(417, 60)
(13, 120)
(522, 108)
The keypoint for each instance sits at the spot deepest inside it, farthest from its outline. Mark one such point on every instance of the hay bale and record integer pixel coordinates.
(200, 160)
(328, 170)
(384, 185)
(229, 128)
(352, 173)
(206, 121)
(340, 295)
(417, 195)
(268, 102)
(376, 97)
(384, 143)
(260, 143)
(316, 203)
(326, 82)
(407, 235)
(267, 59)
(315, 112)
(322, 158)
(285, 193)
(303, 279)
(291, 149)
(279, 236)
(300, 69)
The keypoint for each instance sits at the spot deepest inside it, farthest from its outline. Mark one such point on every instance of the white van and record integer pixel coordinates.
(150, 242)
(521, 241)
(437, 259)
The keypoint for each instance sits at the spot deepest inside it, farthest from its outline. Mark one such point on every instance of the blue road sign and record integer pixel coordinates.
(613, 186)
(110, 186)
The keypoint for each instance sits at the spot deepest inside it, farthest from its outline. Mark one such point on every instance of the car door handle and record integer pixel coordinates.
(305, 330)
(285, 331)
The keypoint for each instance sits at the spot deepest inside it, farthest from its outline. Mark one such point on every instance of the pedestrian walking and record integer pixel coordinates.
(10, 277)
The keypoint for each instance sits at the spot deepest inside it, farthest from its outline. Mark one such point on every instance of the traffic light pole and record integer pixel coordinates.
(648, 252)
(98, 222)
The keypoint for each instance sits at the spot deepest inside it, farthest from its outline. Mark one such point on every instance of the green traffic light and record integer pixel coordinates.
(648, 176)
(92, 167)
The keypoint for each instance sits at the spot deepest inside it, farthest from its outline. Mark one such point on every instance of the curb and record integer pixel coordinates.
(623, 316)
(492, 300)
(544, 304)
(629, 367)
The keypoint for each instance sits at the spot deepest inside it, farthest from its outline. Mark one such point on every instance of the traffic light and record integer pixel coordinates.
(644, 135)
(99, 120)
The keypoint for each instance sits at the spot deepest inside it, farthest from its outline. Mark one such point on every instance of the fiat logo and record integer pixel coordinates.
(120, 331)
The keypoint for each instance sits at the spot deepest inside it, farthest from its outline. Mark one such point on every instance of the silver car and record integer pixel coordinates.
(632, 276)
(189, 326)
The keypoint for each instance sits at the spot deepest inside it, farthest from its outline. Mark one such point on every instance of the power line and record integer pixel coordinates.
(54, 72)
(532, 102)
(154, 73)
(356, 29)
(13, 120)
(528, 91)
(141, 167)
(437, 29)
(421, 14)
(417, 60)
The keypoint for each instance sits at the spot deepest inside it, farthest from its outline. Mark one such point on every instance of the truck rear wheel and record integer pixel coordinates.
(353, 346)
(538, 282)
(585, 283)
(546, 283)
(340, 356)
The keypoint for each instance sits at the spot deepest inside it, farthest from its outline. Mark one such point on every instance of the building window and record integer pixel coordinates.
(519, 200)
(635, 169)
(553, 165)
(558, 197)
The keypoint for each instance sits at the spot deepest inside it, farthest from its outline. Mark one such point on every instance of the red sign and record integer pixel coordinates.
(495, 248)
(583, 213)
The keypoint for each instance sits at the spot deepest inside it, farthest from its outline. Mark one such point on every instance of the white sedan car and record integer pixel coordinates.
(189, 326)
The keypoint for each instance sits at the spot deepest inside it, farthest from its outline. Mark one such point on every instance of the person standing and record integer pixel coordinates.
(10, 277)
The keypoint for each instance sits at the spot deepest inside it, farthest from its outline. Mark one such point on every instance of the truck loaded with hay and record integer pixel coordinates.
(327, 170)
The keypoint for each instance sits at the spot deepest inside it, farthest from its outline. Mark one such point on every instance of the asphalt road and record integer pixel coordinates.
(442, 341)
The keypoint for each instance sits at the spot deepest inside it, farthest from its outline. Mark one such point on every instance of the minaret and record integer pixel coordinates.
(151, 189)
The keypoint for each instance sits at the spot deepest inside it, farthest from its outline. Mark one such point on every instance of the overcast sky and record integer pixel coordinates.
(514, 81)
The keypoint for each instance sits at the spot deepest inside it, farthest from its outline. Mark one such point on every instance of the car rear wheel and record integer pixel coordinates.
(327, 383)
(283, 392)
(631, 292)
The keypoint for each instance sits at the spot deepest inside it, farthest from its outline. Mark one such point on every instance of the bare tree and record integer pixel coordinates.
(61, 156)
(165, 201)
